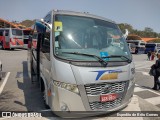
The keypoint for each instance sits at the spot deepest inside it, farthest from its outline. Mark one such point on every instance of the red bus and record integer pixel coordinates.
(11, 38)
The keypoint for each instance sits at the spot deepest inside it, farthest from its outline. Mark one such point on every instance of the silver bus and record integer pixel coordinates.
(11, 38)
(82, 63)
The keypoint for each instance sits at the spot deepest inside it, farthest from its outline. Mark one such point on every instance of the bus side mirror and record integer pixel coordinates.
(126, 33)
(40, 36)
(40, 40)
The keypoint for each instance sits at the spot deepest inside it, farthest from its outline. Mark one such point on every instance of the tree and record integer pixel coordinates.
(15, 21)
(148, 29)
(147, 32)
(124, 26)
(28, 23)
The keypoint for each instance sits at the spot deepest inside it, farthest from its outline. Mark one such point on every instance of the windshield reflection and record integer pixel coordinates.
(88, 36)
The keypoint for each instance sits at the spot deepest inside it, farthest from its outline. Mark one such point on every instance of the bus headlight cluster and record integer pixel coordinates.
(70, 87)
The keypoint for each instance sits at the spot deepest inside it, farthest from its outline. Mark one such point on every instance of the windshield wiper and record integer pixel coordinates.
(90, 55)
(118, 56)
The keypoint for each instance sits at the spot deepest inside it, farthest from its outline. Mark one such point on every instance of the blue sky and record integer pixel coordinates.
(138, 13)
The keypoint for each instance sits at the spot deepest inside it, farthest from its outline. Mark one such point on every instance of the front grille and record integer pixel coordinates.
(106, 105)
(99, 89)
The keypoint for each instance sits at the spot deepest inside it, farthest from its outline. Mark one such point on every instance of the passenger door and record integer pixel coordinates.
(34, 50)
(1, 37)
(45, 63)
(6, 34)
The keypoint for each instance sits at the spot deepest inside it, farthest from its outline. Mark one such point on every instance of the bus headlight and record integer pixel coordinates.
(131, 82)
(69, 87)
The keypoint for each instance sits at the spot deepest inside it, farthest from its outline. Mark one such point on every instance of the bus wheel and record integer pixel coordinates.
(44, 98)
(12, 48)
(42, 88)
(2, 45)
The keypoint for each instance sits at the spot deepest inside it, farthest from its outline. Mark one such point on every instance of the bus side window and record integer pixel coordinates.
(34, 40)
(6, 33)
(46, 44)
(1, 32)
(48, 18)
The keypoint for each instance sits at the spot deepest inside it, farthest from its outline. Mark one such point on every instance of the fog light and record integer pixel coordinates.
(64, 108)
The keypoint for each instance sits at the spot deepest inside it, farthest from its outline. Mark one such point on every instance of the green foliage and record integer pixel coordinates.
(124, 26)
(155, 40)
(27, 23)
(147, 32)
(147, 29)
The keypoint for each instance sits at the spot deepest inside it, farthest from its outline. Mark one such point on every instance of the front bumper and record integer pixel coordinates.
(79, 105)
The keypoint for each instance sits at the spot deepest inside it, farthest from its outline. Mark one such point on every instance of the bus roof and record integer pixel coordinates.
(9, 28)
(84, 14)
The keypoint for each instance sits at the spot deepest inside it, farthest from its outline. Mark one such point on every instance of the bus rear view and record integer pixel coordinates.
(11, 38)
(84, 63)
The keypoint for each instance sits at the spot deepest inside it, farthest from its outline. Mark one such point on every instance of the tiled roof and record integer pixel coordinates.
(6, 24)
(148, 39)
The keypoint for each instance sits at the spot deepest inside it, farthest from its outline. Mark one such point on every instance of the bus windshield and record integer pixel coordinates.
(142, 44)
(150, 45)
(17, 32)
(133, 42)
(74, 34)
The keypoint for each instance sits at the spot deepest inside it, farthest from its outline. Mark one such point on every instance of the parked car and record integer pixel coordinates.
(0, 70)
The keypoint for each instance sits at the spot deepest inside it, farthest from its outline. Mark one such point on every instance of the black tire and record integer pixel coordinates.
(41, 84)
(44, 100)
(42, 88)
(2, 45)
(12, 48)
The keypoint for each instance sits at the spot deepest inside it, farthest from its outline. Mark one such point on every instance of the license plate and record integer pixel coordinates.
(107, 98)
